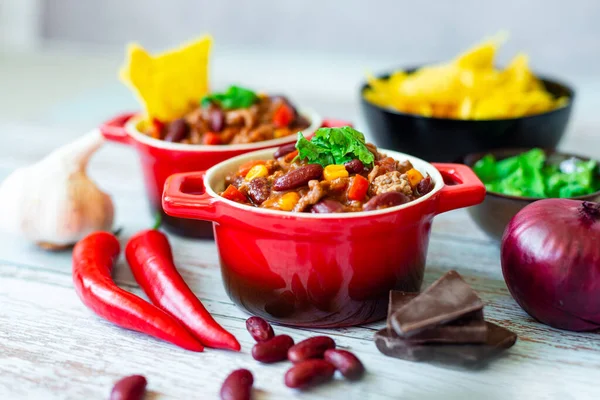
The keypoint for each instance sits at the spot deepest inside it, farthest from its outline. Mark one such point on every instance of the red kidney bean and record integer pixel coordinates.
(272, 350)
(309, 373)
(217, 119)
(129, 388)
(355, 166)
(384, 200)
(424, 186)
(260, 329)
(313, 347)
(259, 190)
(298, 177)
(345, 362)
(284, 150)
(238, 385)
(327, 206)
(177, 130)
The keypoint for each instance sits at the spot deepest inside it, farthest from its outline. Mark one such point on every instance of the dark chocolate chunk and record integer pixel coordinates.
(468, 329)
(498, 339)
(446, 300)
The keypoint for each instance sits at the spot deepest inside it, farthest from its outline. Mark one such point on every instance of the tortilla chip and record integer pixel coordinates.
(169, 84)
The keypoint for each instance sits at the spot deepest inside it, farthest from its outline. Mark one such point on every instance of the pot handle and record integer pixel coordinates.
(114, 129)
(185, 196)
(462, 189)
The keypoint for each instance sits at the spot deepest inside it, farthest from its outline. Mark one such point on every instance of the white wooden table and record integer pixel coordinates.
(53, 347)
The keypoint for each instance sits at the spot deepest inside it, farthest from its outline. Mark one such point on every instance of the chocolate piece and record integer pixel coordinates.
(468, 329)
(498, 339)
(446, 300)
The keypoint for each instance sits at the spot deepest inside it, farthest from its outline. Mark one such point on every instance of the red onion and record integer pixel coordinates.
(551, 262)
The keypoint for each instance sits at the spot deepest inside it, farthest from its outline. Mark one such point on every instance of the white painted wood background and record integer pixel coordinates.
(52, 347)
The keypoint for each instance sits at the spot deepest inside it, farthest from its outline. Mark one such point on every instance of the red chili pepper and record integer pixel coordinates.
(283, 116)
(358, 189)
(211, 138)
(93, 260)
(151, 261)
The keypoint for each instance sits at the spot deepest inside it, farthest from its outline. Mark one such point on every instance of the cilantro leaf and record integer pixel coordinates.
(235, 97)
(334, 146)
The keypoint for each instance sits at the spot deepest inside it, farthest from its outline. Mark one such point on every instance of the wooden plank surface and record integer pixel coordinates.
(52, 347)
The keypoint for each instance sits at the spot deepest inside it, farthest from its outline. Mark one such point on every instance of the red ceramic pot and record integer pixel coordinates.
(161, 159)
(319, 270)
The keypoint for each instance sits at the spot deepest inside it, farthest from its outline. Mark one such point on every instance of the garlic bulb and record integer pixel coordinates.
(53, 202)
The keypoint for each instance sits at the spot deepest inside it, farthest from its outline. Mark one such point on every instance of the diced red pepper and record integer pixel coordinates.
(358, 189)
(283, 116)
(247, 166)
(211, 138)
(232, 193)
(156, 128)
(290, 156)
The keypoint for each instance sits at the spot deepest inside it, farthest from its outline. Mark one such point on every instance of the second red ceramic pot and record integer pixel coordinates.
(319, 270)
(162, 159)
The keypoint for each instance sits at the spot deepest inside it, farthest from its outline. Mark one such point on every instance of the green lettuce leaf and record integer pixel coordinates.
(528, 175)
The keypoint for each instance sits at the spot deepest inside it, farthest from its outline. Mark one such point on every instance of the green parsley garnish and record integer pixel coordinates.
(234, 97)
(334, 146)
(528, 175)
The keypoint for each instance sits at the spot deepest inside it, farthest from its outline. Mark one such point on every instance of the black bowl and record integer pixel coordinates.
(495, 212)
(448, 140)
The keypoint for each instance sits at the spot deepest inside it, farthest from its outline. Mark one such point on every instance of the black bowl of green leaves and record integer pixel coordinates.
(515, 178)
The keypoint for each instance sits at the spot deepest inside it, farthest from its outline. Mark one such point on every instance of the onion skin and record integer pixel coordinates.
(551, 262)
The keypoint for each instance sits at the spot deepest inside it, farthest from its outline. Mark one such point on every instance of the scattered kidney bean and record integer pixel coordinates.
(313, 347)
(388, 199)
(309, 373)
(259, 190)
(238, 385)
(298, 177)
(129, 388)
(424, 186)
(327, 206)
(217, 119)
(355, 166)
(345, 362)
(285, 149)
(272, 350)
(177, 130)
(259, 328)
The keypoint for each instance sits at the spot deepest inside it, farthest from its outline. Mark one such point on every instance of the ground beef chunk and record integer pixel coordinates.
(403, 166)
(242, 116)
(390, 182)
(317, 190)
(373, 174)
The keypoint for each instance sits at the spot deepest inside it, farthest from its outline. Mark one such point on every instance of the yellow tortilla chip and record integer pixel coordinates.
(168, 84)
(467, 87)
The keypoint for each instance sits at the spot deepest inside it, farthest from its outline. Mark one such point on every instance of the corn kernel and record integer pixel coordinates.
(414, 177)
(288, 201)
(332, 172)
(281, 132)
(257, 171)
